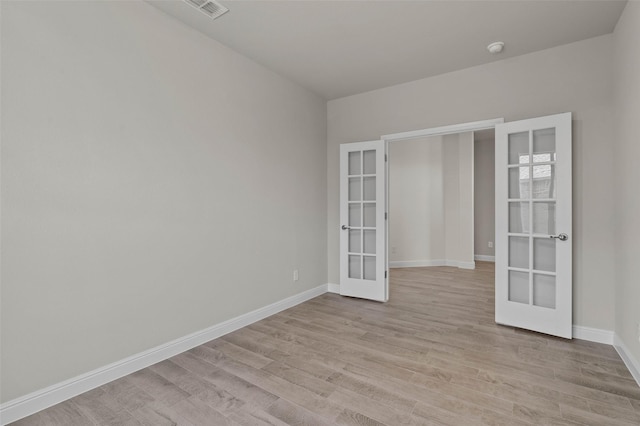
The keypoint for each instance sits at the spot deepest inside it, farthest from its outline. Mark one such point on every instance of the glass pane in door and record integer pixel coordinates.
(544, 145)
(354, 214)
(544, 254)
(369, 188)
(369, 241)
(369, 214)
(519, 148)
(544, 218)
(519, 217)
(355, 267)
(369, 267)
(544, 181)
(354, 189)
(519, 252)
(354, 163)
(354, 241)
(544, 290)
(519, 287)
(369, 161)
(519, 182)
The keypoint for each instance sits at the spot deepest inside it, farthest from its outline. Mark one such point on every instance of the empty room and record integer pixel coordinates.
(210, 214)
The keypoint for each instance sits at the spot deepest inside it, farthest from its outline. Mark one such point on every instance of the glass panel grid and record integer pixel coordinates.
(362, 214)
(532, 191)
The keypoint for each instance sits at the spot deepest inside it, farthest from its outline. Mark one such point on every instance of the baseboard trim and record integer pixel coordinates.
(416, 263)
(333, 288)
(590, 334)
(39, 400)
(632, 364)
(484, 258)
(431, 262)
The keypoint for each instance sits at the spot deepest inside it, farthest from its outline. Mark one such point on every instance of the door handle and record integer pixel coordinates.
(561, 237)
(345, 227)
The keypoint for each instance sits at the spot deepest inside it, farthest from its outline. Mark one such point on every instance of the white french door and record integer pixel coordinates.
(533, 224)
(363, 257)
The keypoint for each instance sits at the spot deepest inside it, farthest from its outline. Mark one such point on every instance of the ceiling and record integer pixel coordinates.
(340, 48)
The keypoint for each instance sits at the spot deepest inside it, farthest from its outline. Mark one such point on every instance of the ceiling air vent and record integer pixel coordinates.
(210, 8)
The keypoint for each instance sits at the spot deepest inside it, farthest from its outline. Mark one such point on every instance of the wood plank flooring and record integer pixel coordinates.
(432, 355)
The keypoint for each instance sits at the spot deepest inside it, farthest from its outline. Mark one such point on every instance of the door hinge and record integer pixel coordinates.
(385, 157)
(385, 274)
(385, 215)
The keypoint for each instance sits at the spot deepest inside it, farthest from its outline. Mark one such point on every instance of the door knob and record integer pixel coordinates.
(346, 227)
(561, 237)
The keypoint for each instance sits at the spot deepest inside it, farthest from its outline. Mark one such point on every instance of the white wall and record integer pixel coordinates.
(576, 77)
(154, 183)
(458, 198)
(464, 244)
(416, 211)
(627, 176)
(484, 196)
(431, 201)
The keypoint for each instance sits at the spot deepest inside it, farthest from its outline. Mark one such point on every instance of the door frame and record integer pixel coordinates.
(472, 126)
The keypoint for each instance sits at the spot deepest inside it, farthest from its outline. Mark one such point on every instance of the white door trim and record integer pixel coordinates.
(472, 126)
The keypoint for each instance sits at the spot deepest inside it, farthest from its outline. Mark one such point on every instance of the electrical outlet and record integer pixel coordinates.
(296, 276)
(490, 244)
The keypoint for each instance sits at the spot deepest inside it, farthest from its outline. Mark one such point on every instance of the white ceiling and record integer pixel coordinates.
(340, 48)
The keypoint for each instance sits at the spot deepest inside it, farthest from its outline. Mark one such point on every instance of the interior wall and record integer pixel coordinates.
(484, 196)
(431, 201)
(416, 211)
(627, 175)
(464, 250)
(575, 77)
(154, 183)
(458, 198)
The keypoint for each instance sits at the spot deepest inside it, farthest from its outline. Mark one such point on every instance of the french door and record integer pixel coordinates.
(533, 224)
(363, 256)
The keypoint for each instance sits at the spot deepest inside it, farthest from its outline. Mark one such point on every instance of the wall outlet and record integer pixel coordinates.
(490, 244)
(296, 276)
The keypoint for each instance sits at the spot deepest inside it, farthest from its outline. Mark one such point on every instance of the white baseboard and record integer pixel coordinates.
(463, 265)
(593, 334)
(416, 263)
(333, 288)
(484, 258)
(36, 401)
(632, 364)
(431, 262)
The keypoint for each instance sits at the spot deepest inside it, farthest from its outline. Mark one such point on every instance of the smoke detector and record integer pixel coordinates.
(495, 47)
(211, 8)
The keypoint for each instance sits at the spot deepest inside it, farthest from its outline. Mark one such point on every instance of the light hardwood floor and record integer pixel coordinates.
(432, 355)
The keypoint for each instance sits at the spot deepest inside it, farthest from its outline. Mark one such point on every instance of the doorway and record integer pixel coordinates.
(431, 201)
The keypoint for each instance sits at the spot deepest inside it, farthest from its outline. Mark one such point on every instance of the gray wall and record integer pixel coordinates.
(627, 178)
(484, 207)
(154, 183)
(576, 77)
